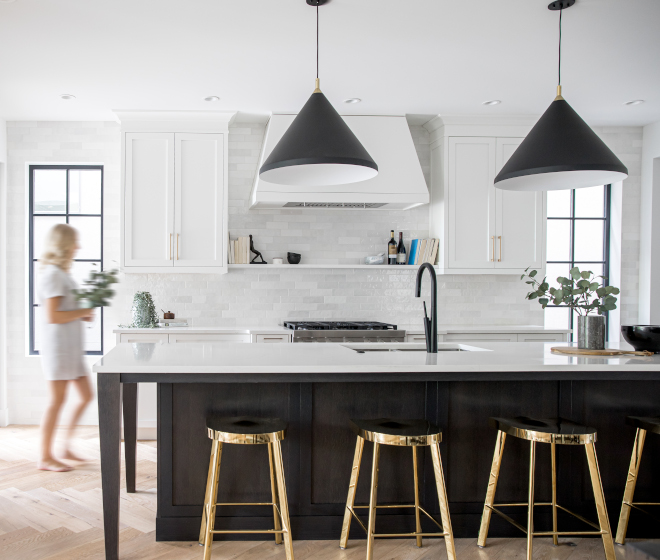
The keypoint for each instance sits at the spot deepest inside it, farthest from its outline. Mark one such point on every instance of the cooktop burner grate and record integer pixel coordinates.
(338, 325)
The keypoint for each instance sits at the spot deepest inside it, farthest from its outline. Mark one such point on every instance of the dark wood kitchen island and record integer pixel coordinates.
(317, 388)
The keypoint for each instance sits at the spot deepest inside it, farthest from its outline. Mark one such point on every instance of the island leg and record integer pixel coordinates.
(109, 397)
(130, 405)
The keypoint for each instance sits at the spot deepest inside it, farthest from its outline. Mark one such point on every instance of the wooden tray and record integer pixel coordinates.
(570, 350)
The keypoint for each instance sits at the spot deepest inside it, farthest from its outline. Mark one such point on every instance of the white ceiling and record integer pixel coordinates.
(400, 56)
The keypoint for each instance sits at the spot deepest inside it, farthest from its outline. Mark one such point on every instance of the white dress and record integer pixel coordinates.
(61, 344)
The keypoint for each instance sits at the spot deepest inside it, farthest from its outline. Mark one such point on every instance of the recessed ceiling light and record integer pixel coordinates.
(634, 102)
(67, 96)
(353, 100)
(492, 102)
(212, 98)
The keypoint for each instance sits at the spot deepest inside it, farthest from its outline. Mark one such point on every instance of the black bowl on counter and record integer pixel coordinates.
(293, 258)
(642, 337)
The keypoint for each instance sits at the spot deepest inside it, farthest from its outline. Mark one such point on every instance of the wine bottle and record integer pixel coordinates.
(401, 251)
(391, 249)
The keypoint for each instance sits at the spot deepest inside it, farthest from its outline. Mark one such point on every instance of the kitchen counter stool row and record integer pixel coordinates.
(412, 434)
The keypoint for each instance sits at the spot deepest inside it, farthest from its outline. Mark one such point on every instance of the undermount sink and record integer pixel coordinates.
(363, 348)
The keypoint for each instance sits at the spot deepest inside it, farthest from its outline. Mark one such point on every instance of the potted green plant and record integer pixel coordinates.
(580, 292)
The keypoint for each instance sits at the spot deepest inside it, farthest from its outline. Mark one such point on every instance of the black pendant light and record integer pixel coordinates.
(561, 151)
(319, 148)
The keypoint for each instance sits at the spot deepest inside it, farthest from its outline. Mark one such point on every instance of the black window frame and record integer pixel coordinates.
(607, 193)
(33, 259)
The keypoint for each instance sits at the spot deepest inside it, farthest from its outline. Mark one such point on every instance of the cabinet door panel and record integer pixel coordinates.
(520, 221)
(139, 337)
(148, 199)
(217, 337)
(200, 200)
(481, 337)
(471, 202)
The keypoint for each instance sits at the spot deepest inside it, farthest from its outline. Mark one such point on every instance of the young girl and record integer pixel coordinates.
(62, 341)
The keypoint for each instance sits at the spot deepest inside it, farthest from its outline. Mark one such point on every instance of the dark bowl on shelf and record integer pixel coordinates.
(642, 337)
(293, 258)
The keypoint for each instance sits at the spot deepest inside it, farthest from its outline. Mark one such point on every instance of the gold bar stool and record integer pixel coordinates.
(553, 431)
(408, 433)
(247, 430)
(643, 425)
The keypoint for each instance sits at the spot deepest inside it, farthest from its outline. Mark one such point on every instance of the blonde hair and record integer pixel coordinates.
(61, 239)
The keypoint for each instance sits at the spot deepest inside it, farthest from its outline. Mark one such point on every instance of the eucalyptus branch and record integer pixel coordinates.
(580, 292)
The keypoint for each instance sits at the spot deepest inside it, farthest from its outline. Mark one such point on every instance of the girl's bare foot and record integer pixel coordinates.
(53, 465)
(71, 456)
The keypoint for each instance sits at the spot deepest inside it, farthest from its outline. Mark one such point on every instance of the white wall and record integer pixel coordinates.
(649, 260)
(4, 411)
(247, 297)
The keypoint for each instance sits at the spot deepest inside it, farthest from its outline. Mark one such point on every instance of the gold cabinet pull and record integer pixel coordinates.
(500, 257)
(177, 246)
(169, 249)
(492, 258)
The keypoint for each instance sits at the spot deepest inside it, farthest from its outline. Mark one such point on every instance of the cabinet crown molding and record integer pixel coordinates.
(175, 121)
(496, 126)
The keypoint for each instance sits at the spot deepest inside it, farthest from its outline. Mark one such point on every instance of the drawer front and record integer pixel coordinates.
(219, 337)
(417, 338)
(542, 337)
(156, 337)
(272, 338)
(481, 337)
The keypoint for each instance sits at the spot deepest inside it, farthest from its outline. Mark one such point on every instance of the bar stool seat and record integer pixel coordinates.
(247, 430)
(397, 432)
(648, 423)
(643, 424)
(555, 431)
(545, 430)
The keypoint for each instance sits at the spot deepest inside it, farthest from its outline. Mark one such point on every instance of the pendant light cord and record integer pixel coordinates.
(559, 67)
(317, 42)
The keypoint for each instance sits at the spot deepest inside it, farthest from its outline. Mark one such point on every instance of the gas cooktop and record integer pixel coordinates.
(338, 325)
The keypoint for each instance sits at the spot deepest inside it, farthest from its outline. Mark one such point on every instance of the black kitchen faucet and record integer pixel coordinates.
(430, 327)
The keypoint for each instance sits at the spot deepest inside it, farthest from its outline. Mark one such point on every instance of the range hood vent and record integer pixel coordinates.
(355, 205)
(399, 185)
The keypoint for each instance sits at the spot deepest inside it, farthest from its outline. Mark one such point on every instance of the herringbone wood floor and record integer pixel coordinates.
(58, 516)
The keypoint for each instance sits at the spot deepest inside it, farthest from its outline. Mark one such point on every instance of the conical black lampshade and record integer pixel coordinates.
(318, 149)
(560, 152)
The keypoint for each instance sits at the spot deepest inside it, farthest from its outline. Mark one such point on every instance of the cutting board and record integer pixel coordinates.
(569, 350)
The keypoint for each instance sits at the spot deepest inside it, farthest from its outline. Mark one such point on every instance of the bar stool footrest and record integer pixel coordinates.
(443, 534)
(494, 509)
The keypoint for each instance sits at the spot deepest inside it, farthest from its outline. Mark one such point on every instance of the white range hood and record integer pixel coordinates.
(399, 184)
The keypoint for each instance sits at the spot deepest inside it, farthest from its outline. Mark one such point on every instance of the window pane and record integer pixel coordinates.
(590, 202)
(559, 240)
(556, 318)
(85, 191)
(89, 237)
(41, 227)
(49, 195)
(80, 271)
(559, 204)
(589, 240)
(597, 269)
(554, 270)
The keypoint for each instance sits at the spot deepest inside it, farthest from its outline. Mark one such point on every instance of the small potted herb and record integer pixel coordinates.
(580, 292)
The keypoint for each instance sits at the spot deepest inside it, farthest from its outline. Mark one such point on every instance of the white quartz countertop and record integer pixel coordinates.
(410, 329)
(484, 329)
(308, 358)
(208, 330)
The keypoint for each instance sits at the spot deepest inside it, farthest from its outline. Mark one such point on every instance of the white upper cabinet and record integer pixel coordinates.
(174, 196)
(199, 200)
(471, 202)
(482, 230)
(149, 199)
(519, 220)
